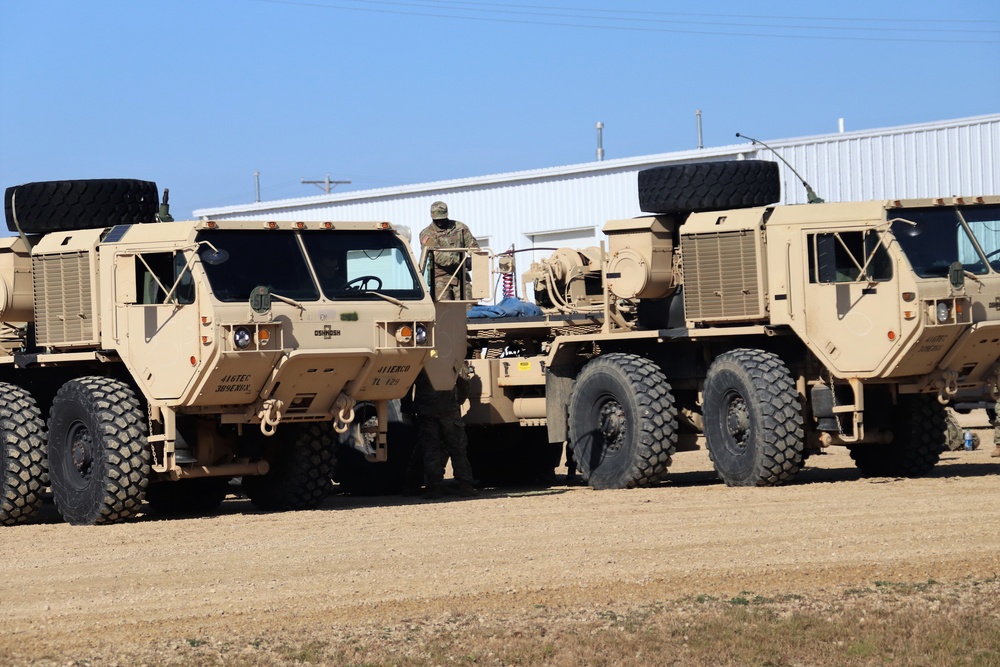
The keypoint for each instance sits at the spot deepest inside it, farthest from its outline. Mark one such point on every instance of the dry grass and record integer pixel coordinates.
(886, 623)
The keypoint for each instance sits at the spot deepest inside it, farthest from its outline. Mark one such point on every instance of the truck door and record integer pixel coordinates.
(158, 326)
(851, 304)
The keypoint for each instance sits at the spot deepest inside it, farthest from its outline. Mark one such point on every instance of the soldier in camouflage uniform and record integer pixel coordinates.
(992, 414)
(440, 434)
(446, 233)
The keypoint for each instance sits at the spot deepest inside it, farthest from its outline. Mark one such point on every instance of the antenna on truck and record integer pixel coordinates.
(810, 193)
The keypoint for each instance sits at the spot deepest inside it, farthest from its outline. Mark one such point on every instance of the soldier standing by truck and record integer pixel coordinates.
(440, 430)
(447, 279)
(440, 435)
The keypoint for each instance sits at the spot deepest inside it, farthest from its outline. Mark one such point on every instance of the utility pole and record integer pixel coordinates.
(326, 183)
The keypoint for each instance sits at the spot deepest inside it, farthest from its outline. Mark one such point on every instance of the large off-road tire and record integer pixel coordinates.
(622, 422)
(920, 431)
(23, 464)
(99, 460)
(52, 206)
(302, 467)
(188, 497)
(753, 419)
(361, 477)
(709, 186)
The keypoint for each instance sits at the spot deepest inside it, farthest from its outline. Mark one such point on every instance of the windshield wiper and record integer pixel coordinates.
(290, 302)
(391, 299)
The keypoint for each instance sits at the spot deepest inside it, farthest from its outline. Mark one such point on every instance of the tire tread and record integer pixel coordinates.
(781, 457)
(657, 434)
(25, 466)
(708, 186)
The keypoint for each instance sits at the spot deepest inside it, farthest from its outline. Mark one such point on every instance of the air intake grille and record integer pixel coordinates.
(721, 277)
(63, 305)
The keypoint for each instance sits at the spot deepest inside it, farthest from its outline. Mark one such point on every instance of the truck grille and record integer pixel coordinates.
(721, 277)
(63, 302)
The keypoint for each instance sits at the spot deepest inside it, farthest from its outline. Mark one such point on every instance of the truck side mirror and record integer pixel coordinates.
(480, 274)
(956, 274)
(826, 258)
(126, 292)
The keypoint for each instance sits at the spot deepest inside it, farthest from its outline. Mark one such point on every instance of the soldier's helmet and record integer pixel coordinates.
(439, 211)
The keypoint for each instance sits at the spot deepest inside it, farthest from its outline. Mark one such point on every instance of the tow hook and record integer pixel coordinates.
(270, 416)
(343, 407)
(947, 386)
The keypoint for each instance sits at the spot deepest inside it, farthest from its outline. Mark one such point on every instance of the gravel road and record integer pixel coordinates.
(119, 590)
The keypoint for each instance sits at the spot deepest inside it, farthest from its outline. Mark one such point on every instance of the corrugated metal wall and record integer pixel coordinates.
(932, 160)
(567, 206)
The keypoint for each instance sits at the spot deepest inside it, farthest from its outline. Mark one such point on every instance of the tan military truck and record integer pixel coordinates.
(159, 361)
(764, 332)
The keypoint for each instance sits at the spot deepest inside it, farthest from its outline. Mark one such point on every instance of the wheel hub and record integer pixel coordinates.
(81, 449)
(738, 420)
(612, 425)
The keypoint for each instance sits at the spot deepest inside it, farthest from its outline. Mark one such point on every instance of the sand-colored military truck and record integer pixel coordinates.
(763, 332)
(159, 361)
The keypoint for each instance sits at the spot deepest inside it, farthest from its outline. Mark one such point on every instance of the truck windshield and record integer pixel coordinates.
(353, 265)
(246, 259)
(934, 238)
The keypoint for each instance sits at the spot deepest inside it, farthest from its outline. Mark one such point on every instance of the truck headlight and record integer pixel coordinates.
(242, 338)
(943, 312)
(421, 334)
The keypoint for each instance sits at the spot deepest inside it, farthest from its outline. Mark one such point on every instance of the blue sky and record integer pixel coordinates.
(197, 96)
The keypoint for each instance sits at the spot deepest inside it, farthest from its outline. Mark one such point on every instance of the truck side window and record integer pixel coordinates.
(843, 257)
(156, 273)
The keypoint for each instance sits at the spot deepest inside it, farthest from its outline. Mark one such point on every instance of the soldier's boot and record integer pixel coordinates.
(433, 492)
(466, 490)
(996, 452)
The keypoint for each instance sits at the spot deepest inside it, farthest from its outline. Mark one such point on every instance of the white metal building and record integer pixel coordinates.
(567, 206)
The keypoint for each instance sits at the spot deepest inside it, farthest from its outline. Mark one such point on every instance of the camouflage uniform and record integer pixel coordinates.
(446, 233)
(996, 434)
(440, 434)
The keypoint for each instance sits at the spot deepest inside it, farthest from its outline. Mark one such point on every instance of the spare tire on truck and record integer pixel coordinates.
(708, 186)
(59, 206)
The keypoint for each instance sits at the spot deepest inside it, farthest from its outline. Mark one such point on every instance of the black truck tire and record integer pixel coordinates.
(99, 461)
(622, 422)
(23, 464)
(54, 206)
(753, 419)
(920, 431)
(708, 186)
(301, 472)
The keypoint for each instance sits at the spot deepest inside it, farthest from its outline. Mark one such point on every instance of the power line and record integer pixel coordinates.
(525, 21)
(641, 18)
(743, 16)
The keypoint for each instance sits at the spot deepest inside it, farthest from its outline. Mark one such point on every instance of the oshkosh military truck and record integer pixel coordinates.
(158, 361)
(764, 332)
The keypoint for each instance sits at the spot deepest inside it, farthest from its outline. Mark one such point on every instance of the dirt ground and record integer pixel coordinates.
(112, 595)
